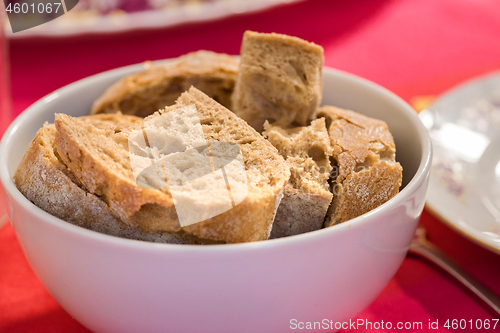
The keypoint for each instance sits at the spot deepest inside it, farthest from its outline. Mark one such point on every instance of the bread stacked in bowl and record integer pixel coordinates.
(312, 167)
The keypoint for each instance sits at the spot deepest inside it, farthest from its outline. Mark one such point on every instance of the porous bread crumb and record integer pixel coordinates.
(279, 80)
(307, 151)
(159, 86)
(365, 168)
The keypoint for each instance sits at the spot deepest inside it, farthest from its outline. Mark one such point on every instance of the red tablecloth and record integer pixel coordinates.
(412, 47)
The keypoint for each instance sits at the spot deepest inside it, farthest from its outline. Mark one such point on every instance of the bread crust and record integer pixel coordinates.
(366, 173)
(279, 80)
(156, 87)
(300, 212)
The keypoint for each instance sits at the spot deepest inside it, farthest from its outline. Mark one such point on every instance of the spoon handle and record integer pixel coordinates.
(421, 247)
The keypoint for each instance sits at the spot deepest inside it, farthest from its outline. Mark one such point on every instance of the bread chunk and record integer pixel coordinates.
(46, 181)
(279, 80)
(366, 171)
(145, 92)
(102, 163)
(306, 199)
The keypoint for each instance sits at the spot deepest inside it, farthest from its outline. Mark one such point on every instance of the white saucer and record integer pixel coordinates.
(464, 187)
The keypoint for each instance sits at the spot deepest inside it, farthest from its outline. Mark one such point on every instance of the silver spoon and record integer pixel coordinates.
(423, 248)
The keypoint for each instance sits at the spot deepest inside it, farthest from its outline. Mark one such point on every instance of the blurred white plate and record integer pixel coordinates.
(464, 187)
(77, 21)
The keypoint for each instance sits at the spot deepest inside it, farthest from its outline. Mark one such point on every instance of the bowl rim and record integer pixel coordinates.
(9, 187)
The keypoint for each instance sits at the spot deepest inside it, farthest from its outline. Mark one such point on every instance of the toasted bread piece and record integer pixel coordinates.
(306, 199)
(159, 86)
(367, 174)
(46, 181)
(103, 165)
(279, 80)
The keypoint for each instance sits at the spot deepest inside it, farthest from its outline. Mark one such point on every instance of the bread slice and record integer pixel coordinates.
(104, 167)
(156, 87)
(306, 199)
(46, 181)
(279, 80)
(366, 171)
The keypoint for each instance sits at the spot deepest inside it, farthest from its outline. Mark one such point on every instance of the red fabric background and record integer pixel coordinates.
(412, 47)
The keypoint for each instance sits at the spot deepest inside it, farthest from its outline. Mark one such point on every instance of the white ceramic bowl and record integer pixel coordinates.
(111, 284)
